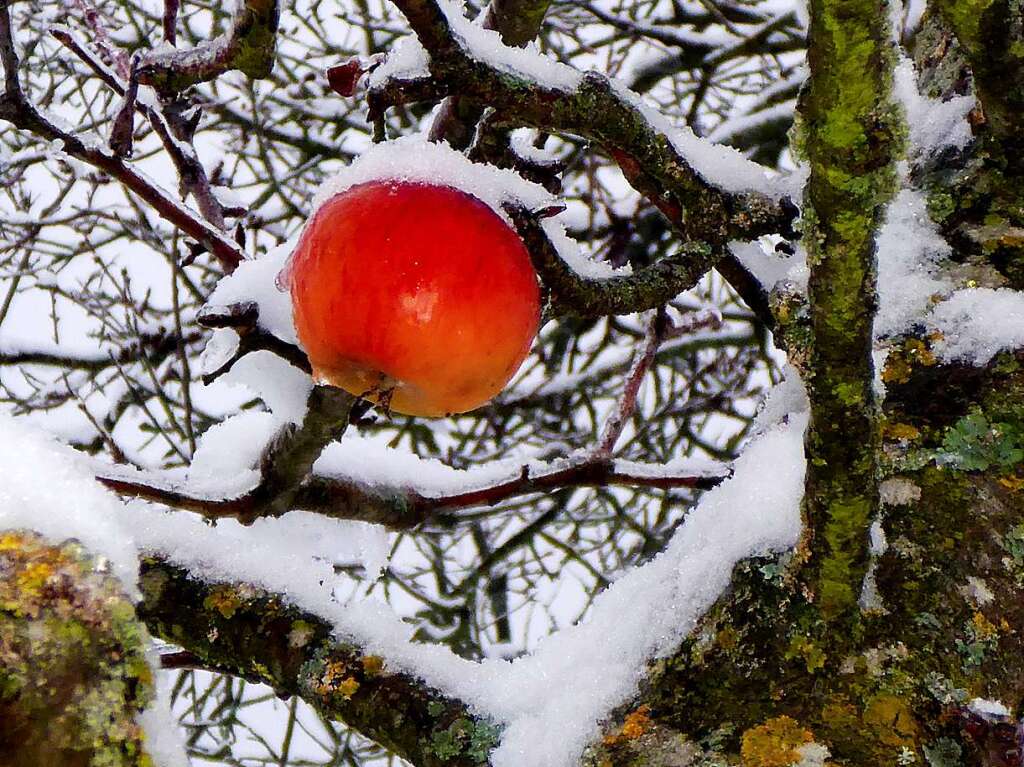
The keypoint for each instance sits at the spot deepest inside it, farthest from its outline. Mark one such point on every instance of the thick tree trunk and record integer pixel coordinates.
(789, 662)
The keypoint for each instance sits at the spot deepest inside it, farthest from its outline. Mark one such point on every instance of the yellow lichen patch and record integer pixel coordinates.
(774, 743)
(983, 627)
(840, 714)
(900, 432)
(336, 679)
(11, 541)
(224, 600)
(348, 687)
(901, 360)
(896, 371)
(636, 724)
(76, 667)
(812, 654)
(372, 664)
(891, 720)
(33, 577)
(1016, 484)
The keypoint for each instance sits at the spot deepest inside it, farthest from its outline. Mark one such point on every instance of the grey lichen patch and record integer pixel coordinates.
(899, 491)
(466, 739)
(73, 674)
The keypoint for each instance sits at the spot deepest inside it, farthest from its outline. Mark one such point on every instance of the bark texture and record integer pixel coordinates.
(877, 656)
(73, 671)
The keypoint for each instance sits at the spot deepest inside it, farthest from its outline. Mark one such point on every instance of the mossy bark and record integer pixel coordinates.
(875, 656)
(73, 672)
(245, 631)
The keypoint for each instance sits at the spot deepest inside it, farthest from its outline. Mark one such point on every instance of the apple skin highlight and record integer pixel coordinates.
(413, 295)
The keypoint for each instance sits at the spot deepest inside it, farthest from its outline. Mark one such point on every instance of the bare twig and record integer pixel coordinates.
(170, 20)
(191, 172)
(626, 404)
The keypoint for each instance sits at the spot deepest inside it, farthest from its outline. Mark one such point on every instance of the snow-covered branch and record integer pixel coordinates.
(335, 492)
(249, 46)
(518, 22)
(244, 630)
(709, 193)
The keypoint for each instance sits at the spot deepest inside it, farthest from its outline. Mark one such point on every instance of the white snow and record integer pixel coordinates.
(372, 462)
(407, 60)
(934, 124)
(551, 700)
(770, 267)
(256, 280)
(165, 740)
(978, 323)
(679, 467)
(910, 255)
(989, 707)
(47, 489)
(223, 343)
(486, 45)
(975, 324)
(414, 158)
(910, 249)
(227, 455)
(283, 387)
(787, 397)
(717, 164)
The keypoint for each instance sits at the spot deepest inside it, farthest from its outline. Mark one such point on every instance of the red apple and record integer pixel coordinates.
(414, 295)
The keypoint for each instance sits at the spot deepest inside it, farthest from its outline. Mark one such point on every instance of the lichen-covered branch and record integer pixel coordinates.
(518, 22)
(248, 46)
(240, 629)
(992, 34)
(73, 671)
(852, 143)
(596, 109)
(573, 293)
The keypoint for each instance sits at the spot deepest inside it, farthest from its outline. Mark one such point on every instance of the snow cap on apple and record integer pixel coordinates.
(408, 285)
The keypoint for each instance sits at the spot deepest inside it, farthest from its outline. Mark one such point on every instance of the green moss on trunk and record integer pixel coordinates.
(852, 137)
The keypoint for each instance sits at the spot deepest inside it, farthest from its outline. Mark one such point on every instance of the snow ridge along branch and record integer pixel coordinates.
(709, 193)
